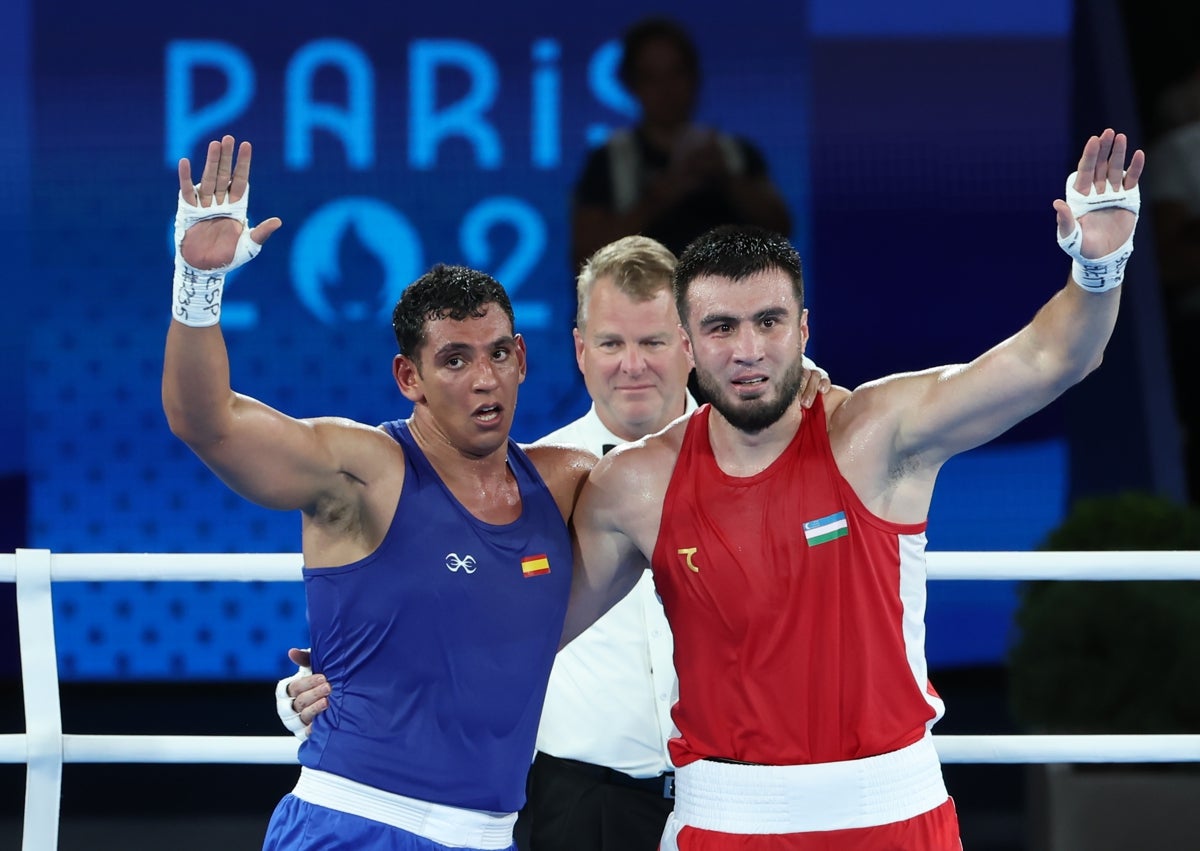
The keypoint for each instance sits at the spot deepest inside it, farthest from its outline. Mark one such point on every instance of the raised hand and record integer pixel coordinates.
(1101, 172)
(212, 243)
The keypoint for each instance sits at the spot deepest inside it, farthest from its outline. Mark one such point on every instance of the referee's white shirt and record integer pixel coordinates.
(612, 688)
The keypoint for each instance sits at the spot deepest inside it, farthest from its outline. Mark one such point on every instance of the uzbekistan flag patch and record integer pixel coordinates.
(535, 565)
(826, 529)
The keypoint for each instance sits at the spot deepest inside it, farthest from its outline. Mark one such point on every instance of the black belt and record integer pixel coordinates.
(661, 786)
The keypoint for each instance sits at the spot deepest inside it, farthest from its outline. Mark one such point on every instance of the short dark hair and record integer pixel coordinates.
(444, 292)
(653, 29)
(735, 252)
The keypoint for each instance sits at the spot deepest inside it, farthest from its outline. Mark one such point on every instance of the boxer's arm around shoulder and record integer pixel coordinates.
(608, 562)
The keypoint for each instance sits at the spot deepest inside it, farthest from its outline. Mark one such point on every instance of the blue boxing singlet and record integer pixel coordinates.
(439, 644)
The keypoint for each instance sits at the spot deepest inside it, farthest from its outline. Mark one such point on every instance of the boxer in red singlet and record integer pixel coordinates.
(788, 544)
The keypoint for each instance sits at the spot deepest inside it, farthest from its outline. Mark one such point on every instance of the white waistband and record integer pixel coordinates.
(448, 825)
(749, 799)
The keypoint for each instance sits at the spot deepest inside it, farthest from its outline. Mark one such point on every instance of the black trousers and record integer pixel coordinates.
(573, 806)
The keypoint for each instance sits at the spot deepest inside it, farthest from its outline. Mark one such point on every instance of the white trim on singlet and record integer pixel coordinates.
(913, 598)
(761, 799)
(453, 826)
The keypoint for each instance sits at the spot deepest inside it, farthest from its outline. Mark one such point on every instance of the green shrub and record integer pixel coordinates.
(1111, 657)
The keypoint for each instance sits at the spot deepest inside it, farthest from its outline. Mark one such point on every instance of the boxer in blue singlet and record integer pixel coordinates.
(437, 560)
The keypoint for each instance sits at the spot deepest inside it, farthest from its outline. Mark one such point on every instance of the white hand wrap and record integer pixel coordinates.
(1101, 273)
(286, 707)
(197, 299)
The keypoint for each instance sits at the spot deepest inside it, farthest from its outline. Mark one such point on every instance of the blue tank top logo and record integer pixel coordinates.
(466, 563)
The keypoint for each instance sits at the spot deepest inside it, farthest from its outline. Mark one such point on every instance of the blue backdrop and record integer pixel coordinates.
(918, 146)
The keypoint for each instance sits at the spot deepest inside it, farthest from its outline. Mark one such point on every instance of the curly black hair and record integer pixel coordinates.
(444, 292)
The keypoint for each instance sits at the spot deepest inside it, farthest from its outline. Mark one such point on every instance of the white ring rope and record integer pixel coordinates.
(162, 567)
(283, 567)
(1100, 566)
(281, 750)
(1079, 748)
(45, 748)
(262, 750)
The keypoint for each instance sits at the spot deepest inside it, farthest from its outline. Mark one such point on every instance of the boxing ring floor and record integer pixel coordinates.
(45, 748)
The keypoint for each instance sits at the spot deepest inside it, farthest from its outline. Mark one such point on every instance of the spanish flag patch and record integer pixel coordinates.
(535, 565)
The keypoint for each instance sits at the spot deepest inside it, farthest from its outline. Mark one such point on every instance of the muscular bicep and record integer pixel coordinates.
(264, 455)
(280, 462)
(951, 409)
(607, 561)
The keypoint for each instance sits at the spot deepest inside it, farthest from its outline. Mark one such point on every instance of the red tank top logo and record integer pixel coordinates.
(687, 553)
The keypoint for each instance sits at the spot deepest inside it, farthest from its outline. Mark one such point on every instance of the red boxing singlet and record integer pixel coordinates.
(798, 615)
